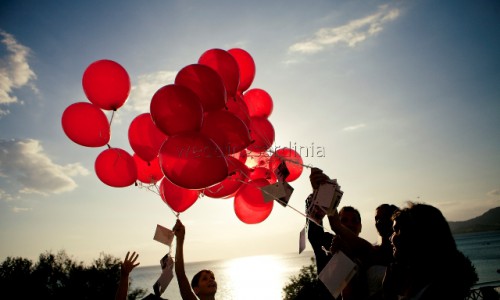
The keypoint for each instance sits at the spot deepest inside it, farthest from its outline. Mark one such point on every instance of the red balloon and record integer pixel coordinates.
(259, 103)
(226, 130)
(265, 173)
(262, 133)
(144, 137)
(238, 107)
(179, 199)
(238, 174)
(225, 65)
(148, 172)
(116, 168)
(249, 204)
(86, 124)
(246, 66)
(176, 109)
(192, 161)
(206, 83)
(292, 159)
(106, 84)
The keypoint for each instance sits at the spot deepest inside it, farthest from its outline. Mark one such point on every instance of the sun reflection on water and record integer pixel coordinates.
(256, 277)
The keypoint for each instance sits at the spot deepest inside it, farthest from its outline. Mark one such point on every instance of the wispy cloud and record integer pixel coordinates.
(15, 72)
(147, 85)
(25, 166)
(354, 127)
(494, 193)
(351, 34)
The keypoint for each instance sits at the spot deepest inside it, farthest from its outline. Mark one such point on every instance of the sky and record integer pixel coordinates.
(397, 100)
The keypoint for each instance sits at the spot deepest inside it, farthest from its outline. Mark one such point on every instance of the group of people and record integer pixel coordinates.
(416, 258)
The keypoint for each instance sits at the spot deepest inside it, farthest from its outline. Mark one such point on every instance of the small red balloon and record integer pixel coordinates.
(292, 159)
(206, 83)
(226, 130)
(116, 168)
(176, 109)
(144, 137)
(262, 133)
(193, 161)
(238, 174)
(246, 66)
(179, 199)
(249, 204)
(86, 124)
(148, 172)
(225, 65)
(106, 84)
(259, 103)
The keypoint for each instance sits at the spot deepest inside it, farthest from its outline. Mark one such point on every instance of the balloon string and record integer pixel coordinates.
(111, 119)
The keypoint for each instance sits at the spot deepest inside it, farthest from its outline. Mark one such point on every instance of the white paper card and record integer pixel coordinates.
(337, 273)
(164, 235)
(302, 240)
(273, 191)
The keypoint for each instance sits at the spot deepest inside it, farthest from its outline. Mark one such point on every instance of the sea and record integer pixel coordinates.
(263, 277)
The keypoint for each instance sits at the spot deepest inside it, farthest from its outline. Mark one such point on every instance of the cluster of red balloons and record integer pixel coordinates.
(206, 133)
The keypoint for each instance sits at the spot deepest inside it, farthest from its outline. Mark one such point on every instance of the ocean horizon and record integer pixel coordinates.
(264, 276)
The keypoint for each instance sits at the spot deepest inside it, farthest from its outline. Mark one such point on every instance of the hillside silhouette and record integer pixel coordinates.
(489, 221)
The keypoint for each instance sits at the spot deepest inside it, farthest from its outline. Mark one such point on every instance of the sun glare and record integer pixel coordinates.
(256, 277)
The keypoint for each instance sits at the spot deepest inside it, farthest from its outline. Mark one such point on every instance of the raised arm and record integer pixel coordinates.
(127, 266)
(184, 286)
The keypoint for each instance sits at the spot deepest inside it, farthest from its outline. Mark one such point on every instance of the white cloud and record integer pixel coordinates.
(147, 85)
(20, 209)
(354, 127)
(15, 72)
(494, 193)
(25, 166)
(352, 33)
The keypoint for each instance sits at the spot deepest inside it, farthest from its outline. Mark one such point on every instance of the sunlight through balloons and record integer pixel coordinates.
(106, 84)
(86, 124)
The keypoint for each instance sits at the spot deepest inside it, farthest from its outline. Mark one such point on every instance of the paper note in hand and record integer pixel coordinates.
(273, 191)
(166, 276)
(164, 235)
(337, 273)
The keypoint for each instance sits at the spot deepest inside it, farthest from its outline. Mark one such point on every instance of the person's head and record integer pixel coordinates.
(383, 219)
(203, 283)
(350, 218)
(421, 235)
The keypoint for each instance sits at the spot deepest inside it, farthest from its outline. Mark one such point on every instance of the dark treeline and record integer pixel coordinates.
(58, 276)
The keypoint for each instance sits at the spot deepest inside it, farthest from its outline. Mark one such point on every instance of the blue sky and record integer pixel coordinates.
(401, 97)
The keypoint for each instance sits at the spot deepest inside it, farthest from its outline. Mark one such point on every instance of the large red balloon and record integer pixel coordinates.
(292, 159)
(206, 83)
(259, 103)
(176, 109)
(249, 204)
(262, 133)
(116, 168)
(237, 106)
(148, 172)
(178, 198)
(106, 84)
(192, 161)
(144, 137)
(225, 65)
(238, 174)
(86, 124)
(226, 130)
(246, 66)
